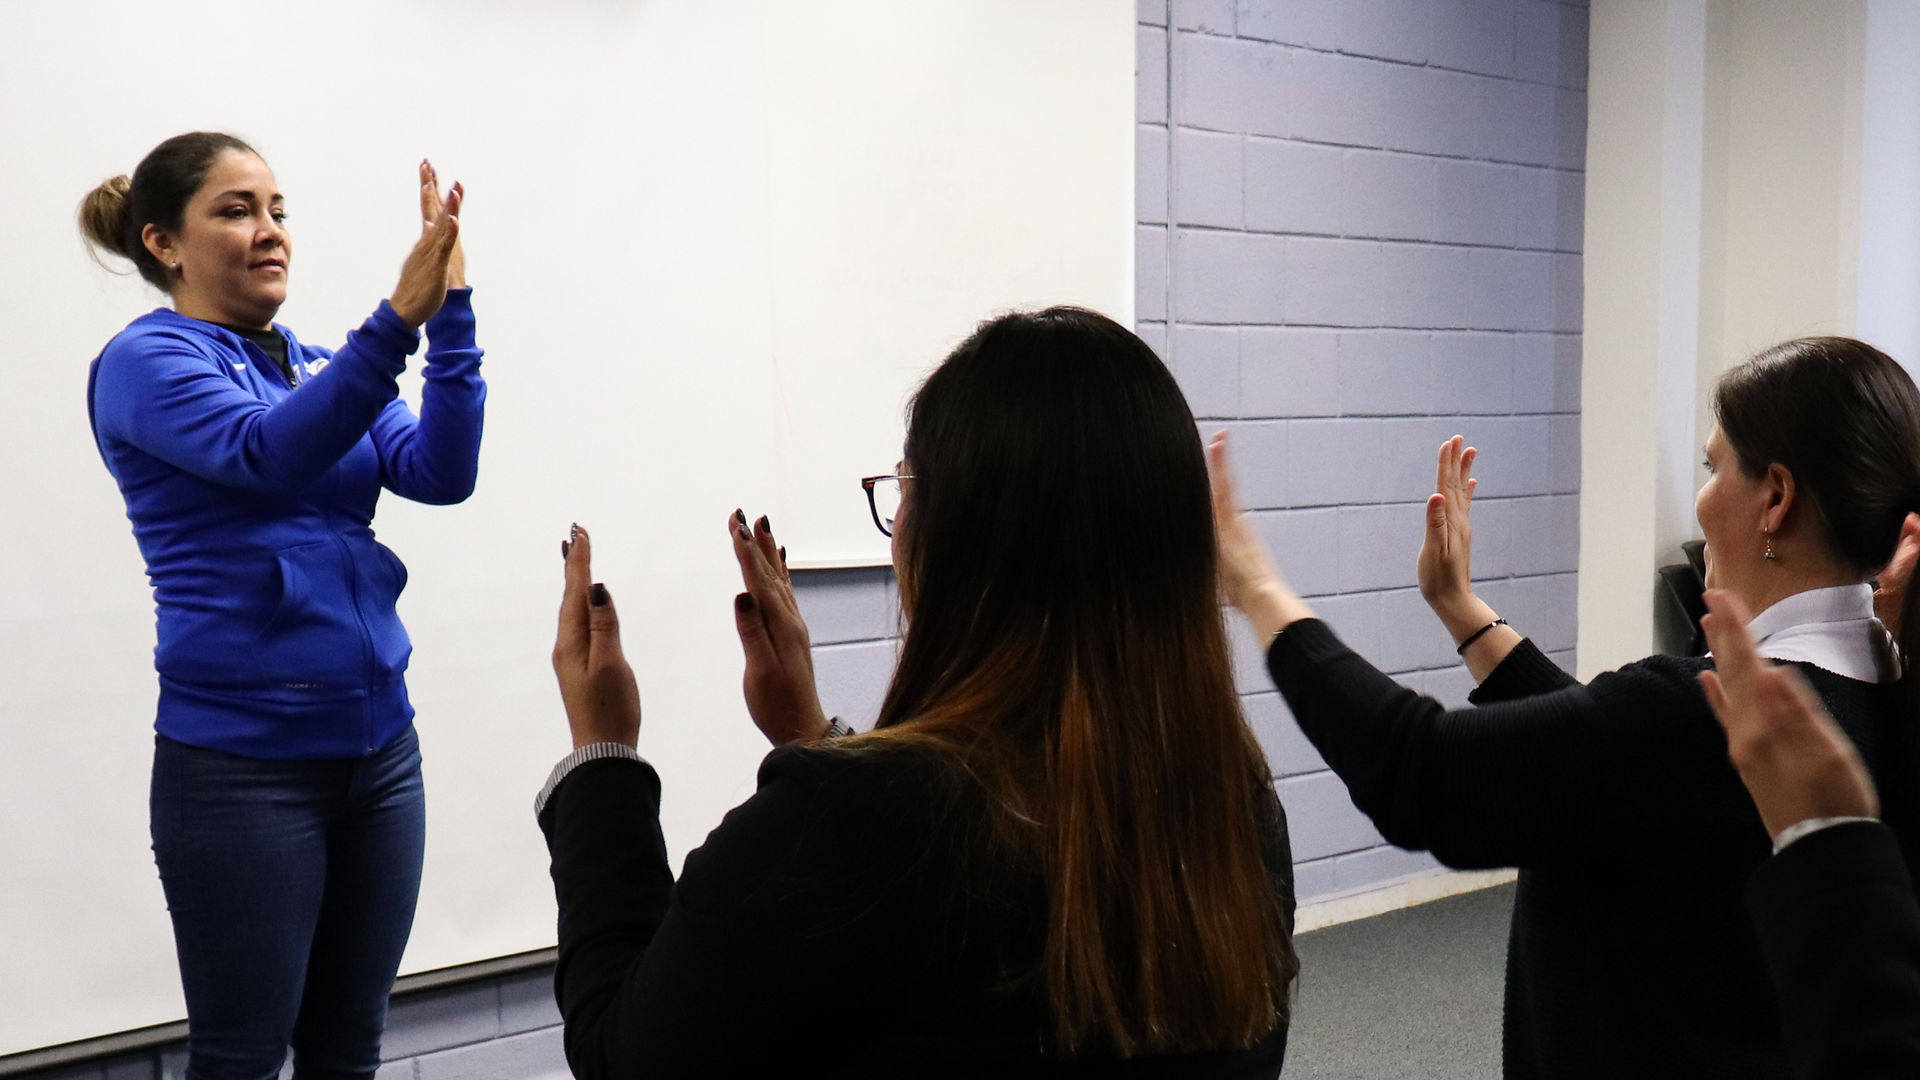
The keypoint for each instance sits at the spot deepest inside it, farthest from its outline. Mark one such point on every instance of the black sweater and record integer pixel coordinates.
(1837, 917)
(1630, 954)
(836, 923)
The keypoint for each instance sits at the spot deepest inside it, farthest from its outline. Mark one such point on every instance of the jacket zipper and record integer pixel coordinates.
(366, 635)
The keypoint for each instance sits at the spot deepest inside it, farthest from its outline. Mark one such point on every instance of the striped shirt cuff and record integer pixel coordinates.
(589, 752)
(1812, 825)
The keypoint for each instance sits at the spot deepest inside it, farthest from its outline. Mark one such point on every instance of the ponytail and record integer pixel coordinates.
(103, 216)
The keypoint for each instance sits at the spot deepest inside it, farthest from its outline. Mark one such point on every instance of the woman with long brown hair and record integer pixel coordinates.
(1058, 851)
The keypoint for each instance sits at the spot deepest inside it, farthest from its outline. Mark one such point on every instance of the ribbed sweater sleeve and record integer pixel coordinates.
(1836, 916)
(164, 394)
(1526, 671)
(435, 458)
(1562, 774)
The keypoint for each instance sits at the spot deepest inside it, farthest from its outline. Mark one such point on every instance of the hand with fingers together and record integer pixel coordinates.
(430, 266)
(1445, 572)
(1794, 759)
(1445, 566)
(597, 686)
(1249, 580)
(432, 205)
(779, 686)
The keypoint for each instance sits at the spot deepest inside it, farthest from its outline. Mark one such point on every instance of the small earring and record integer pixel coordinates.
(1770, 556)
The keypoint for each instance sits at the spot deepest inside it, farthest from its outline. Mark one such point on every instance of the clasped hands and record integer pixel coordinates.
(437, 262)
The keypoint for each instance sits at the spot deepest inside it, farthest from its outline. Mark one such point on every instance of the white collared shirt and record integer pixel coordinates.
(1833, 629)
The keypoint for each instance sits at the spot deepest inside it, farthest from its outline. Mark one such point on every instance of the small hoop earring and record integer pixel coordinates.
(1770, 556)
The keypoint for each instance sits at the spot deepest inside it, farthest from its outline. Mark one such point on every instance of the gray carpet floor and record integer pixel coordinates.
(1410, 995)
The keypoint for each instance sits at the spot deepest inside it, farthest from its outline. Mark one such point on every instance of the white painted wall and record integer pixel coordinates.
(1889, 268)
(701, 236)
(1776, 200)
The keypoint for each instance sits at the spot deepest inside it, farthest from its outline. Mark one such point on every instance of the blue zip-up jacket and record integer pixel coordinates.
(252, 502)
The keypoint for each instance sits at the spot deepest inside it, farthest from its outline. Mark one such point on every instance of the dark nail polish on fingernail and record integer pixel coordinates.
(739, 517)
(741, 532)
(564, 546)
(574, 533)
(599, 594)
(783, 556)
(743, 603)
(765, 525)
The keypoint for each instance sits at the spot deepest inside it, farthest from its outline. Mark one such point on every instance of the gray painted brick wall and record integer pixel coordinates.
(1359, 233)
(506, 1028)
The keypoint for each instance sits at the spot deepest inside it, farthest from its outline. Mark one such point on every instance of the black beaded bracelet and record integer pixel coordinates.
(1477, 634)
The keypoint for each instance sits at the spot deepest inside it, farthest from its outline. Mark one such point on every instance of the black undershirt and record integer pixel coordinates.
(271, 342)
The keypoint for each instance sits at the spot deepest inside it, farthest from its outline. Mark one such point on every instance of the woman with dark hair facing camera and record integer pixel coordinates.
(1630, 952)
(287, 810)
(1058, 852)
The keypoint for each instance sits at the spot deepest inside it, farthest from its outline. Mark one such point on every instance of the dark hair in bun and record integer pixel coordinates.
(114, 214)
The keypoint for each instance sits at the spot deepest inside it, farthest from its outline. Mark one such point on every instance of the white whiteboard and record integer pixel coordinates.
(714, 246)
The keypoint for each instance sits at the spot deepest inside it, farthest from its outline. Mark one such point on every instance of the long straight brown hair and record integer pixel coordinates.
(1064, 646)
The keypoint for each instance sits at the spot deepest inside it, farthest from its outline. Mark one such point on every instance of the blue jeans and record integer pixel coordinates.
(292, 886)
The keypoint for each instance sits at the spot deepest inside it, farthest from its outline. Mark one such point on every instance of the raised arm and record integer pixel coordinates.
(1549, 776)
(435, 457)
(1507, 783)
(1445, 567)
(160, 392)
(163, 394)
(739, 965)
(1506, 665)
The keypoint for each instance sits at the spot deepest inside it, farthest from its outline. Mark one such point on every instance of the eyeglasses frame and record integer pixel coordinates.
(873, 506)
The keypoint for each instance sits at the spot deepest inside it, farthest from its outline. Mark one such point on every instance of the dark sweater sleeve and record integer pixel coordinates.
(1606, 769)
(1836, 917)
(1524, 672)
(163, 394)
(435, 457)
(724, 971)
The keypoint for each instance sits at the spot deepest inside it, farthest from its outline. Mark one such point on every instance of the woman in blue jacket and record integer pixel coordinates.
(287, 810)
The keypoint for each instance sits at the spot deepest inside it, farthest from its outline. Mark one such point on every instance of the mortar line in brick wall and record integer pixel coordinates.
(1431, 155)
(1382, 148)
(1390, 504)
(1167, 188)
(1333, 326)
(1395, 61)
(1303, 140)
(1261, 419)
(1355, 327)
(1386, 504)
(1264, 419)
(1407, 588)
(1399, 241)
